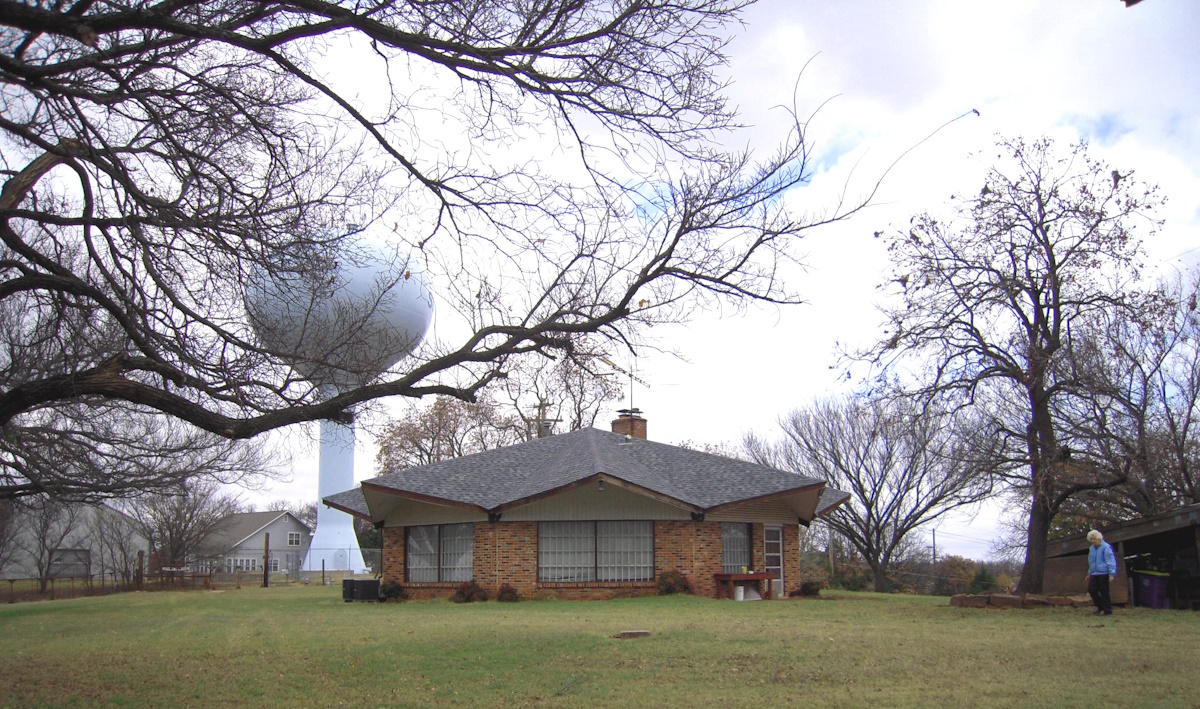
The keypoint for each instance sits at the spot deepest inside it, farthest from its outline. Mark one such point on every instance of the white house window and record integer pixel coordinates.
(735, 546)
(442, 552)
(596, 551)
(274, 565)
(293, 539)
(240, 564)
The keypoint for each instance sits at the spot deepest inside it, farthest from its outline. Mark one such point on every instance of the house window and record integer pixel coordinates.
(293, 539)
(274, 565)
(595, 551)
(240, 564)
(735, 547)
(443, 552)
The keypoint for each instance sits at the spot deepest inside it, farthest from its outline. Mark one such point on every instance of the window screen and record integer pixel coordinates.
(441, 553)
(596, 551)
(735, 546)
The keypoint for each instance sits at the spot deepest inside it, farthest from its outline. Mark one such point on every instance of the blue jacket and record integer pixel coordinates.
(1101, 560)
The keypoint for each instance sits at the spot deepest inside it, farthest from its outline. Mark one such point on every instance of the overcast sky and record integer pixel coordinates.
(885, 76)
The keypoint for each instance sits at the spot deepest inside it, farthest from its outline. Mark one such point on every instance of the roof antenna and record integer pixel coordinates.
(632, 377)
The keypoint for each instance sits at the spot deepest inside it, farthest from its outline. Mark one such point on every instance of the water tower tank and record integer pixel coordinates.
(343, 318)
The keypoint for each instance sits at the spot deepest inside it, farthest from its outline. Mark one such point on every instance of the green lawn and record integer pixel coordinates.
(304, 647)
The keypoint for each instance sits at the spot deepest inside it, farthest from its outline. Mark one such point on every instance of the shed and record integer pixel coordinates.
(1158, 559)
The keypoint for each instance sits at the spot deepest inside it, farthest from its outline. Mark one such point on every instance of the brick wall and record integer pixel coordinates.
(506, 552)
(791, 557)
(393, 554)
(758, 552)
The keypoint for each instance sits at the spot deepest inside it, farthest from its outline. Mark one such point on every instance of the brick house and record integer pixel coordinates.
(587, 515)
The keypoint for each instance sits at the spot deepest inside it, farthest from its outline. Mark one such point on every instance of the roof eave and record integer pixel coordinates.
(769, 496)
(417, 497)
(348, 510)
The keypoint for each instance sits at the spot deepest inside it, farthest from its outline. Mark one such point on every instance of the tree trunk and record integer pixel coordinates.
(1043, 449)
(1033, 575)
(880, 580)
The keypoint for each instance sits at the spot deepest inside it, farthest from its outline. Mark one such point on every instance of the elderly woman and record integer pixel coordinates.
(1102, 568)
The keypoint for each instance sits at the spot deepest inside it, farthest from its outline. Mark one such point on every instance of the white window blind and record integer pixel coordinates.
(457, 544)
(595, 551)
(735, 546)
(441, 553)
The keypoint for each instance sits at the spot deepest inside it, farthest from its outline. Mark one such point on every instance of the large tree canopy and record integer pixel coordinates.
(553, 166)
(992, 301)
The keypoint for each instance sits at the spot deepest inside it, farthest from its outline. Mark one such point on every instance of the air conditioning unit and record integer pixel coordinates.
(360, 590)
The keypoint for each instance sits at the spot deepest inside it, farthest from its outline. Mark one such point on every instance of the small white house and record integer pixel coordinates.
(237, 543)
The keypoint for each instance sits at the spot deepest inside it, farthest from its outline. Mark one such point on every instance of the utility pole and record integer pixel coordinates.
(266, 560)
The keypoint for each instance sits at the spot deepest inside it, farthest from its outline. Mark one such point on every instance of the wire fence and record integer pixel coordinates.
(16, 590)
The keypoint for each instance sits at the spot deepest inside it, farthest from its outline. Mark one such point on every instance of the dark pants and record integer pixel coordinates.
(1098, 590)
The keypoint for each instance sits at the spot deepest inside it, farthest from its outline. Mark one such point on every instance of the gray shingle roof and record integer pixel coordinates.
(830, 498)
(497, 478)
(351, 501)
(234, 529)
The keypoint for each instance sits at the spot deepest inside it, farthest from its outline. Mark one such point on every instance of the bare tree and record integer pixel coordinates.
(446, 428)
(178, 524)
(988, 302)
(116, 539)
(306, 512)
(564, 394)
(48, 522)
(903, 467)
(158, 153)
(87, 452)
(1138, 419)
(8, 531)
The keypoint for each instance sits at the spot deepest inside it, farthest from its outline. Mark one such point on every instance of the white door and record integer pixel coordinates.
(773, 553)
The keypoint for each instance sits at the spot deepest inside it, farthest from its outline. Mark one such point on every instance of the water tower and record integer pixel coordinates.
(341, 319)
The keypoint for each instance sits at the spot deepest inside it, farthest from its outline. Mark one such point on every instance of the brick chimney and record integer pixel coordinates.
(629, 422)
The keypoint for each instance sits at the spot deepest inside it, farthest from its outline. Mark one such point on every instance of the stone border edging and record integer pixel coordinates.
(1004, 600)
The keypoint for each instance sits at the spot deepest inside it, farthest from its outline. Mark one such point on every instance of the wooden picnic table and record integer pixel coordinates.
(726, 582)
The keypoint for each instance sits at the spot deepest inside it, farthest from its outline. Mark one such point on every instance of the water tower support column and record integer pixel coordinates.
(334, 541)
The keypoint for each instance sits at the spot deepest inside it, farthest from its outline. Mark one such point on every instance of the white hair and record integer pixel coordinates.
(1094, 535)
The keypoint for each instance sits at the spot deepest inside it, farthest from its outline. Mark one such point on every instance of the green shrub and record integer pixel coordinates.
(983, 581)
(508, 594)
(469, 592)
(392, 591)
(673, 581)
(852, 579)
(808, 588)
